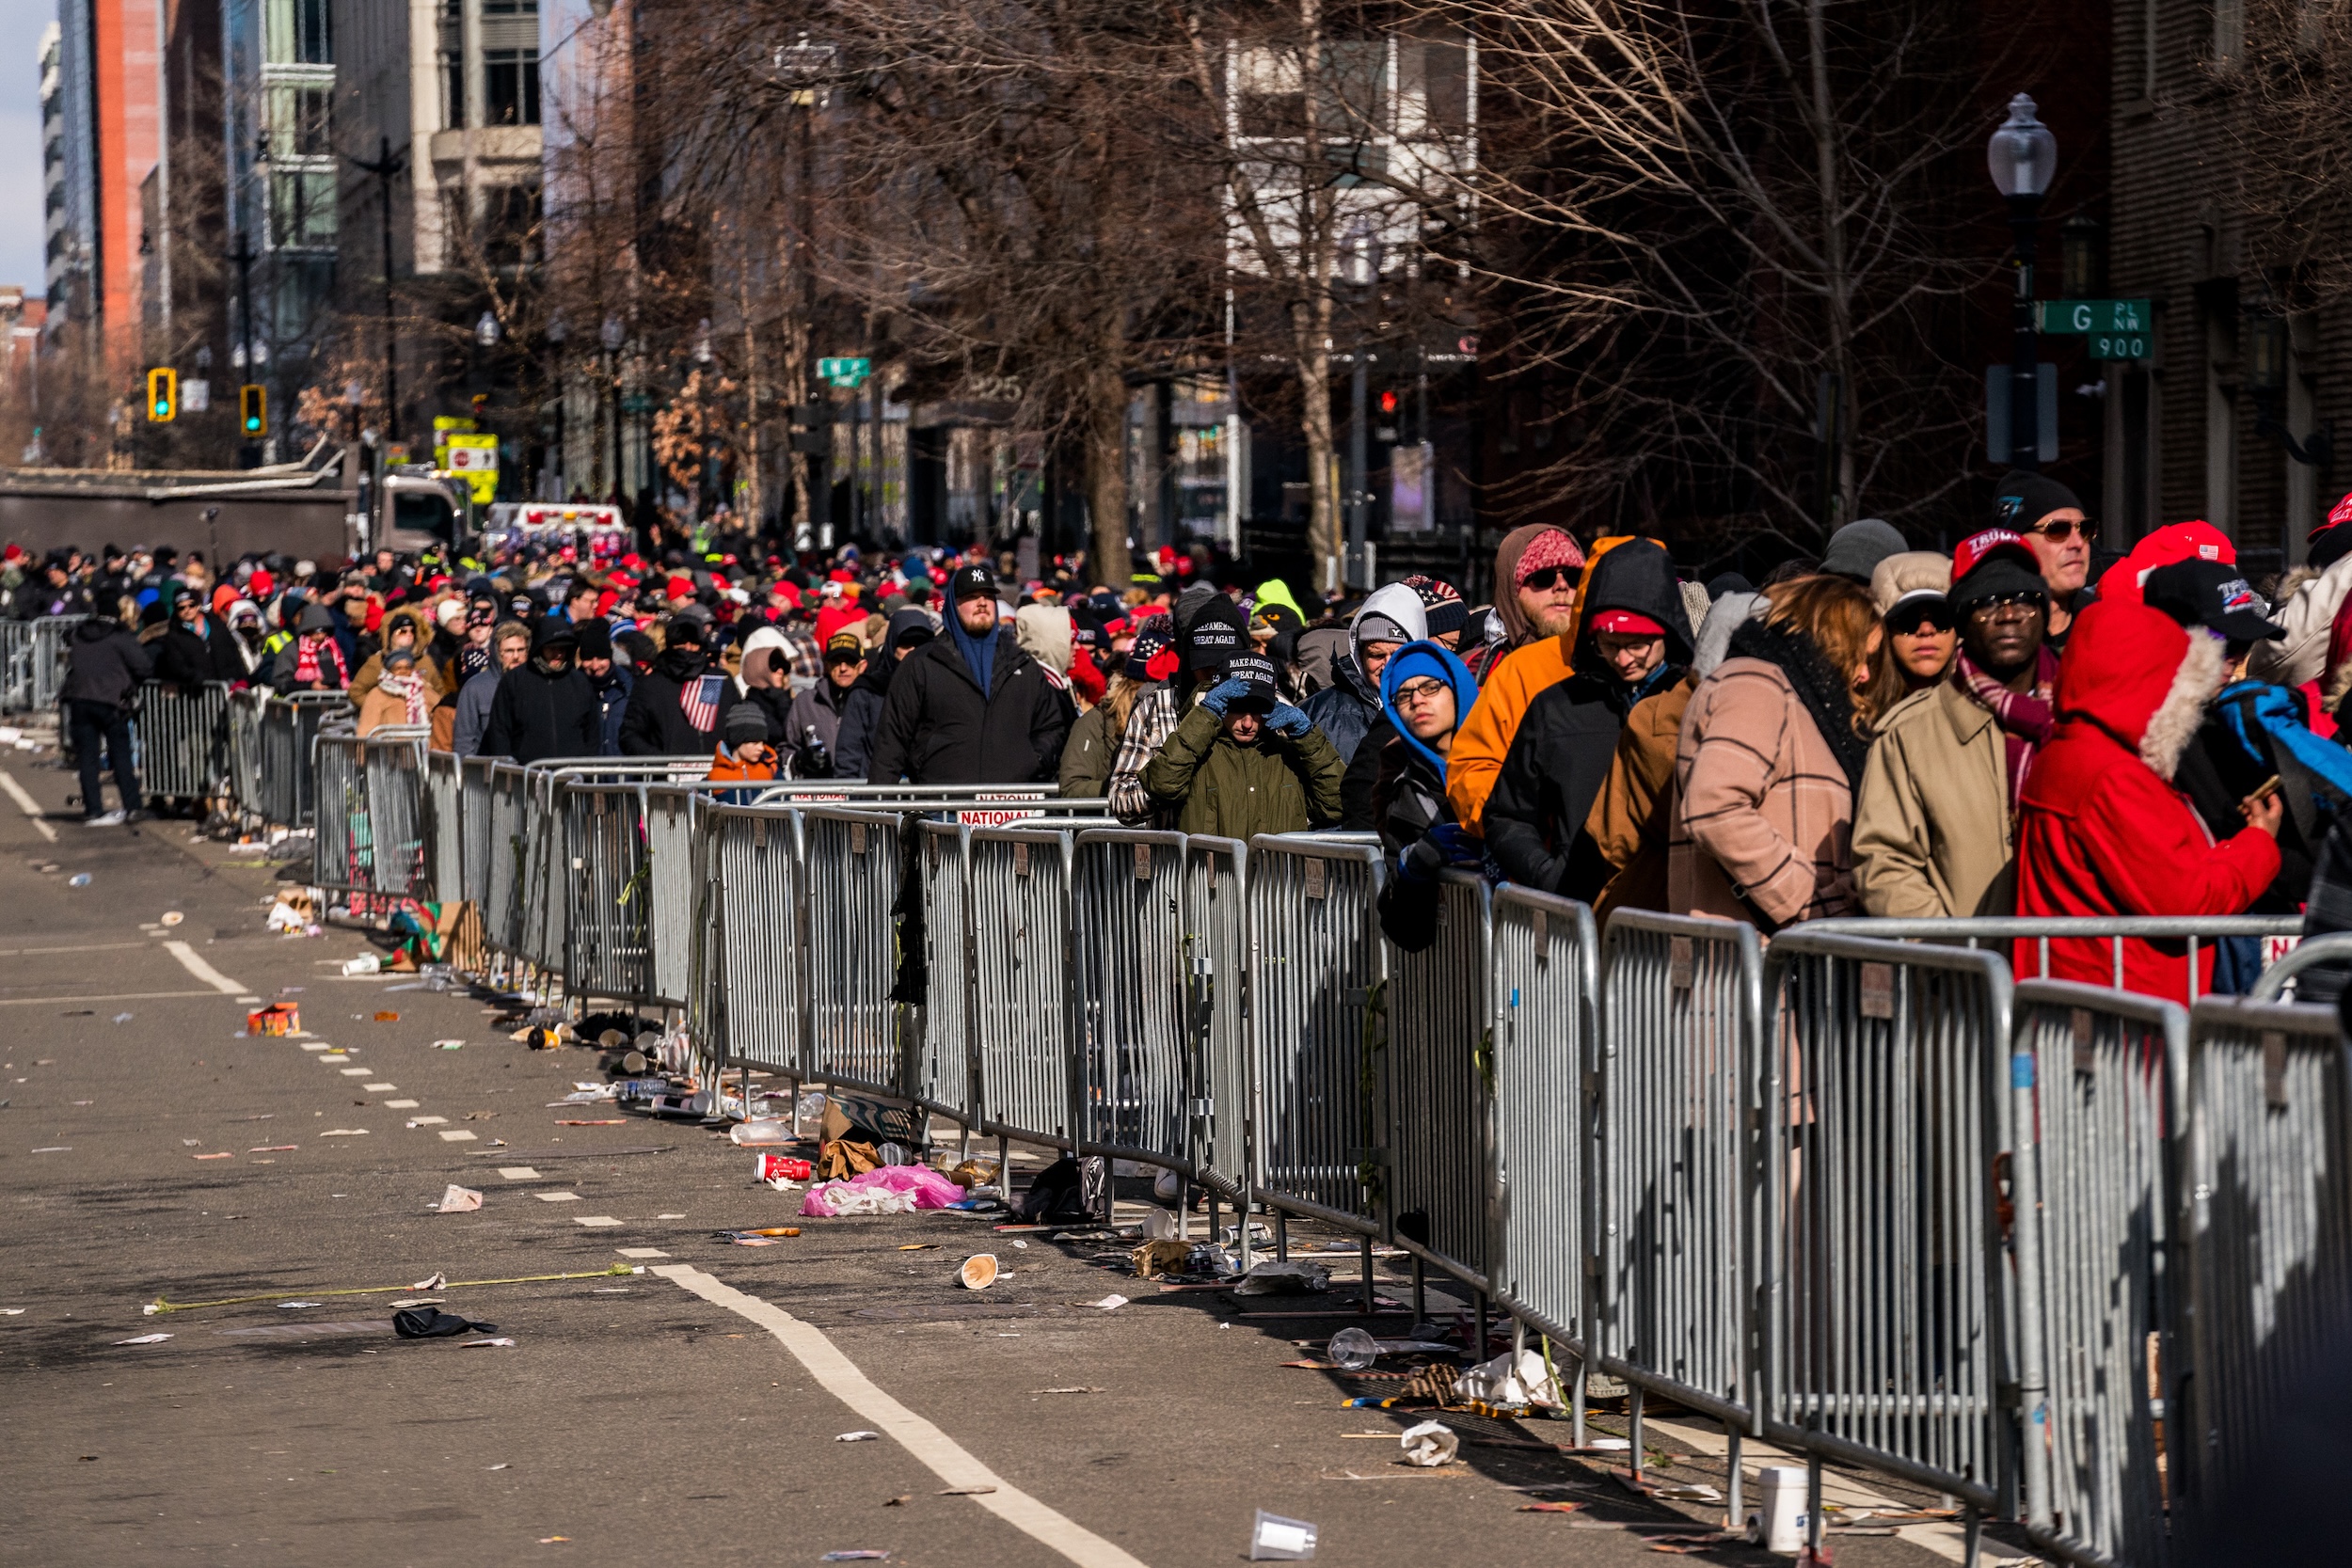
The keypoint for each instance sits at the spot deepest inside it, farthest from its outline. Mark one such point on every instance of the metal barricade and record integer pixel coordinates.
(854, 864)
(33, 657)
(2002, 933)
(288, 726)
(445, 825)
(1139, 1074)
(245, 763)
(2268, 1180)
(2102, 1075)
(1019, 899)
(944, 1079)
(342, 850)
(1679, 1057)
(473, 813)
(1441, 1027)
(394, 760)
(183, 741)
(1318, 1018)
(1884, 1118)
(674, 854)
(757, 1015)
(607, 948)
(2314, 970)
(1219, 958)
(506, 853)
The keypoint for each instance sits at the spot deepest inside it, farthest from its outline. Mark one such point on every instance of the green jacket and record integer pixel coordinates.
(1278, 785)
(1086, 757)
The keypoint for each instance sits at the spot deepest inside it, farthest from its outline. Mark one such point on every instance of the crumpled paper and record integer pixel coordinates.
(1429, 1445)
(1506, 1381)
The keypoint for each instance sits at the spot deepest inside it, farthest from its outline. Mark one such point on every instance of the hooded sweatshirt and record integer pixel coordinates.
(1347, 709)
(2102, 831)
(1535, 819)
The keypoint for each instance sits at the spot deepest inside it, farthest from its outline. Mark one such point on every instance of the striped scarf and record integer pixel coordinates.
(2024, 717)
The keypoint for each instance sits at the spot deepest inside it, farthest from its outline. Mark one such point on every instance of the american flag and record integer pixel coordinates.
(700, 700)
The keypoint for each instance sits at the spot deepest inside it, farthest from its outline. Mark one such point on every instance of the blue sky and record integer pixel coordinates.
(22, 23)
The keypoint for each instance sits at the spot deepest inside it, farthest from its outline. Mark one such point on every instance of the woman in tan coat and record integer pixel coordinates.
(1771, 748)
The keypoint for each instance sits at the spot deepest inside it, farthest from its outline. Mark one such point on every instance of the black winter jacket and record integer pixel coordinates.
(938, 728)
(861, 716)
(1534, 822)
(104, 663)
(1407, 799)
(185, 657)
(1346, 709)
(534, 715)
(655, 724)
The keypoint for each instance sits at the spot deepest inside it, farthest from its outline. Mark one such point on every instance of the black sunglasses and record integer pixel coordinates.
(1925, 618)
(1544, 578)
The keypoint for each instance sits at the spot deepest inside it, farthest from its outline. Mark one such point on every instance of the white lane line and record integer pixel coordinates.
(381, 1089)
(1946, 1541)
(458, 1136)
(398, 1104)
(110, 996)
(91, 947)
(595, 1222)
(26, 805)
(518, 1173)
(946, 1459)
(202, 970)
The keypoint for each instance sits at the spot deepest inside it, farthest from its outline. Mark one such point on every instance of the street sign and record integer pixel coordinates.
(2096, 316)
(2121, 346)
(845, 373)
(475, 460)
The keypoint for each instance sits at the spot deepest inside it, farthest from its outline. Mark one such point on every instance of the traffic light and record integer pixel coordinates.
(1387, 402)
(162, 395)
(253, 410)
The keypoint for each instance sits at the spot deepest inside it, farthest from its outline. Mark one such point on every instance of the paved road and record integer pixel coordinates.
(150, 1149)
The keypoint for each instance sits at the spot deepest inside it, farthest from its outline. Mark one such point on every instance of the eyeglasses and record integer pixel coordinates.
(2059, 529)
(1414, 693)
(1992, 609)
(1547, 578)
(1921, 623)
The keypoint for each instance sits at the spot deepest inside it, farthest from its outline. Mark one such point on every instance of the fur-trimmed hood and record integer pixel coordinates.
(2140, 676)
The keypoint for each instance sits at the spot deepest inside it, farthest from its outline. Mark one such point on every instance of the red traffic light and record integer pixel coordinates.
(1387, 402)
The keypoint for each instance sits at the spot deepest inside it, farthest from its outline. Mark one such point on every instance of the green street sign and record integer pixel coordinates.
(845, 372)
(637, 403)
(2096, 316)
(2121, 346)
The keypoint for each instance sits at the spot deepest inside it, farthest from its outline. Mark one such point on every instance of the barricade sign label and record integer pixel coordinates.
(1020, 859)
(1143, 862)
(2275, 1070)
(2085, 1058)
(995, 816)
(857, 838)
(1312, 869)
(1681, 962)
(1878, 991)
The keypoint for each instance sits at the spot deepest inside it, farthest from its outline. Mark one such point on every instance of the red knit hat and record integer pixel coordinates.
(1551, 547)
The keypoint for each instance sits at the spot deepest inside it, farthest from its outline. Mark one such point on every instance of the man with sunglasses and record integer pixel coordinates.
(1934, 820)
(2051, 519)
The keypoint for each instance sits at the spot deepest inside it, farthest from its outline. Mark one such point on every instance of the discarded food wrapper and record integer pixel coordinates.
(473, 1344)
(144, 1340)
(278, 1018)
(291, 1305)
(972, 1173)
(1293, 1277)
(1686, 1492)
(1551, 1508)
(1159, 1225)
(859, 1437)
(760, 1132)
(978, 1271)
(1274, 1539)
(1522, 1379)
(431, 1282)
(1430, 1445)
(1109, 1303)
(780, 1168)
(459, 1200)
(415, 1301)
(387, 1018)
(173, 917)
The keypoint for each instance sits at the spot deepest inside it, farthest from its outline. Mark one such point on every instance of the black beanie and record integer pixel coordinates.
(1218, 631)
(595, 639)
(2023, 499)
(746, 722)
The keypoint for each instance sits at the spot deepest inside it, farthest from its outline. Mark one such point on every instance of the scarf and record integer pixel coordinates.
(471, 662)
(1826, 697)
(2024, 717)
(309, 653)
(979, 653)
(410, 691)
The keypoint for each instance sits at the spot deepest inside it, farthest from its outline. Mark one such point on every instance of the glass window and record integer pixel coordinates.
(302, 122)
(301, 209)
(511, 83)
(297, 32)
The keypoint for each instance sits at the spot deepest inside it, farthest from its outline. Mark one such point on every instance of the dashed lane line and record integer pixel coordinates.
(202, 970)
(30, 807)
(946, 1459)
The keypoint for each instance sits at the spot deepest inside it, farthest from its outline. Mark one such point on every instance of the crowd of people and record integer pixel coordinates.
(2016, 727)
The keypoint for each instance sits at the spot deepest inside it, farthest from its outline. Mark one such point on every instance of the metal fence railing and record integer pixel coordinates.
(33, 658)
(2055, 1250)
(183, 741)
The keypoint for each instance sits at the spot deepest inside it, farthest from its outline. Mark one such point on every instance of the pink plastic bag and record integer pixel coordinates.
(931, 1189)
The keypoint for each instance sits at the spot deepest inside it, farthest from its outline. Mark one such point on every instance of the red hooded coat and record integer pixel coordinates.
(2102, 831)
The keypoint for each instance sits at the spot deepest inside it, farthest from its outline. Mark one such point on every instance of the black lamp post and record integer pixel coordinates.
(2022, 156)
(613, 335)
(1361, 269)
(556, 333)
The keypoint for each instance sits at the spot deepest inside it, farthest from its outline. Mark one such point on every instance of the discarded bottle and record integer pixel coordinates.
(1352, 1350)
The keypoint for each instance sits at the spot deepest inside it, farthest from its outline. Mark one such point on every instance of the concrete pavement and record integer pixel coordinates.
(150, 1149)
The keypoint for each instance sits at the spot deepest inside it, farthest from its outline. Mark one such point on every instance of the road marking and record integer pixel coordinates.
(401, 1104)
(354, 1071)
(555, 1197)
(26, 805)
(1946, 1541)
(381, 1089)
(110, 996)
(641, 1252)
(202, 970)
(946, 1459)
(459, 1137)
(427, 1121)
(93, 947)
(518, 1173)
(316, 1045)
(595, 1222)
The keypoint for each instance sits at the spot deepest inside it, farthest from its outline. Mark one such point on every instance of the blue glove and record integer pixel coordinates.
(1288, 721)
(1457, 843)
(1220, 696)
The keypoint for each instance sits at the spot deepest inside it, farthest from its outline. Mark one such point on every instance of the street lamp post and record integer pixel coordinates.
(556, 333)
(2022, 156)
(1362, 272)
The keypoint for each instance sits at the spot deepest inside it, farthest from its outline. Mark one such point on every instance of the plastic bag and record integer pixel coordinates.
(1504, 1382)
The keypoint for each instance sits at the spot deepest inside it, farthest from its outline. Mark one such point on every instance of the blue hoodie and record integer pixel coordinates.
(1413, 661)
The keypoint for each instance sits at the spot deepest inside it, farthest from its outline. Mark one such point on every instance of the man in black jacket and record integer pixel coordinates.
(1633, 638)
(547, 708)
(104, 665)
(972, 708)
(862, 706)
(659, 722)
(197, 648)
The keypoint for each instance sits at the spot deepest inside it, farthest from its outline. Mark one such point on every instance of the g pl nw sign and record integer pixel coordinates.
(2118, 328)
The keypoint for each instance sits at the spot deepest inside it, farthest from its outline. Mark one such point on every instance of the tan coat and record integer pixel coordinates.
(1629, 815)
(1762, 810)
(1932, 831)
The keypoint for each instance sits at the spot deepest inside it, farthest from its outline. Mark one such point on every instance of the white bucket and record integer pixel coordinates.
(1777, 1522)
